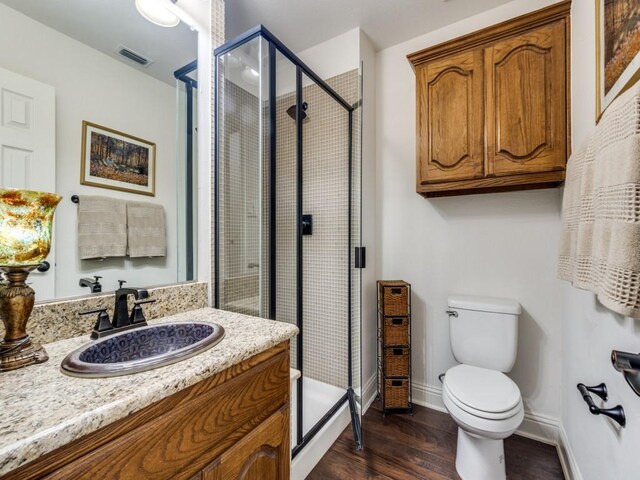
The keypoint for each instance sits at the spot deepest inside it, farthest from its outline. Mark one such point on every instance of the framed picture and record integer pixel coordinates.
(116, 160)
(617, 49)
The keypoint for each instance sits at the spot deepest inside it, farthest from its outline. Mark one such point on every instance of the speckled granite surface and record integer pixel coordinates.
(44, 409)
(60, 319)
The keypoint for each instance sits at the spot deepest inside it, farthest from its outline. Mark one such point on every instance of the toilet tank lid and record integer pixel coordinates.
(484, 304)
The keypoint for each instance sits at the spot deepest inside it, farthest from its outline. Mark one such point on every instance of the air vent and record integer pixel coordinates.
(133, 56)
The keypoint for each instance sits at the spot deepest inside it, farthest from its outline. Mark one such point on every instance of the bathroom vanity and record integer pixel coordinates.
(221, 414)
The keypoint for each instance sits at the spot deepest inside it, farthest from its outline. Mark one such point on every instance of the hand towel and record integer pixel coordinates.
(600, 238)
(102, 227)
(147, 236)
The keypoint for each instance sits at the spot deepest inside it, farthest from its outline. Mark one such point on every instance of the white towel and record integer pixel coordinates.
(600, 243)
(102, 227)
(147, 236)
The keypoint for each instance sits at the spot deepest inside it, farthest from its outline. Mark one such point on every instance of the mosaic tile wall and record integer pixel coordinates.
(325, 253)
(240, 202)
(217, 39)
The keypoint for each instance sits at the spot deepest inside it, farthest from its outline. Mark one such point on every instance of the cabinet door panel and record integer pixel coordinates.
(526, 102)
(261, 455)
(450, 119)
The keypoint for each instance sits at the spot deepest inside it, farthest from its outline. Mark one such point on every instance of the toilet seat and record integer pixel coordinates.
(484, 393)
(483, 402)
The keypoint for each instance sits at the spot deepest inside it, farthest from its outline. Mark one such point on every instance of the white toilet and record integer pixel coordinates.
(483, 401)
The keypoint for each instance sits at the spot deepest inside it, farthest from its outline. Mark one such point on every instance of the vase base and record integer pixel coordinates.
(20, 353)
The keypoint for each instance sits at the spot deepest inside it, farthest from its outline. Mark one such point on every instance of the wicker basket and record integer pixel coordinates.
(396, 362)
(396, 331)
(395, 299)
(396, 393)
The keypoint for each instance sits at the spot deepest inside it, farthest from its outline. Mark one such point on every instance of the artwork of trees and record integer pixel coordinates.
(621, 37)
(115, 159)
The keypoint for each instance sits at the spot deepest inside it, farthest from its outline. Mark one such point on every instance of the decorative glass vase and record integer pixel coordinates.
(26, 220)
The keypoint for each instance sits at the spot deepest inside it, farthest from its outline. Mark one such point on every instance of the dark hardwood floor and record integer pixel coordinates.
(401, 447)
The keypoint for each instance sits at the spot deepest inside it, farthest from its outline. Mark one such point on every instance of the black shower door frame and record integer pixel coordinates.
(276, 45)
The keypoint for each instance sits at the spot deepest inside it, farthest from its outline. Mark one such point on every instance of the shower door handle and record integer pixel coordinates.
(307, 224)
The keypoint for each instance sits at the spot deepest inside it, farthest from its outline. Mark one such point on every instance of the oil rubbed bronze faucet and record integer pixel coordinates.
(94, 285)
(122, 320)
(121, 310)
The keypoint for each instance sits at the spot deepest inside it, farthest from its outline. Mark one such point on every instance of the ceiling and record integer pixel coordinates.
(107, 24)
(301, 24)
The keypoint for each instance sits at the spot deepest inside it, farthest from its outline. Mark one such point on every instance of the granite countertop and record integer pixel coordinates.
(42, 409)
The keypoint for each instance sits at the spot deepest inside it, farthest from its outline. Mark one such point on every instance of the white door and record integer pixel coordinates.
(28, 149)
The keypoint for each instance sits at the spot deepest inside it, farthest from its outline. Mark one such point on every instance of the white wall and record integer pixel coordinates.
(92, 86)
(369, 217)
(335, 56)
(600, 449)
(500, 245)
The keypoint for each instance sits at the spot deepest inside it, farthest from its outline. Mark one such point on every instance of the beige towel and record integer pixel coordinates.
(600, 242)
(102, 227)
(146, 230)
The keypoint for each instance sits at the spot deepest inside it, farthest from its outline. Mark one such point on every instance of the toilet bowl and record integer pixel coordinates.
(487, 407)
(485, 403)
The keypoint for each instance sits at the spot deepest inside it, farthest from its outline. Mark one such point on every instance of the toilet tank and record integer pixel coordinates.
(484, 331)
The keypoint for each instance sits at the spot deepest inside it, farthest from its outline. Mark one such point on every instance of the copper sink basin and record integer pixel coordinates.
(142, 349)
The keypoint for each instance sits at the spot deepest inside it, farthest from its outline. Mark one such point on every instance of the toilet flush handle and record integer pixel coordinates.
(452, 313)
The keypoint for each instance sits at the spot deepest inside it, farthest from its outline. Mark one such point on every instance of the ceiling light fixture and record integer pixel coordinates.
(156, 12)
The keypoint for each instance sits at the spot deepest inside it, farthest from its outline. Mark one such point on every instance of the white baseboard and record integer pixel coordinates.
(567, 459)
(428, 396)
(369, 393)
(535, 426)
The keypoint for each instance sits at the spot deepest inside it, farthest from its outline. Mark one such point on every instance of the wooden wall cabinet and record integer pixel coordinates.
(493, 108)
(232, 426)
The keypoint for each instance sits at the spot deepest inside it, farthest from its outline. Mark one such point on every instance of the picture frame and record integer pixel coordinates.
(617, 49)
(117, 160)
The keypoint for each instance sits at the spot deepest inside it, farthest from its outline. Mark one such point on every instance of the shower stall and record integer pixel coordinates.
(287, 216)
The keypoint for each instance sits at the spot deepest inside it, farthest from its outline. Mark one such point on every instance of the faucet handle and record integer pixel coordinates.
(137, 315)
(142, 302)
(96, 310)
(121, 283)
(97, 278)
(102, 323)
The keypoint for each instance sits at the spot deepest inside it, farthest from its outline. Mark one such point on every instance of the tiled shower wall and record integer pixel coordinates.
(325, 253)
(240, 205)
(217, 39)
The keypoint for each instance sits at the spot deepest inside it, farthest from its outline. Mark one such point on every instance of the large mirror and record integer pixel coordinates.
(98, 101)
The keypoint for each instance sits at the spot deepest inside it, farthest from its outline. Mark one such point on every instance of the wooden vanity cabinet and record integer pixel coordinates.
(493, 109)
(234, 425)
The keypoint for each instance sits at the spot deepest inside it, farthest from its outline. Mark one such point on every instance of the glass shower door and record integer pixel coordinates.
(325, 249)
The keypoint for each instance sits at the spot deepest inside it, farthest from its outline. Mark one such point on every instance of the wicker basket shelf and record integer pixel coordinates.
(394, 346)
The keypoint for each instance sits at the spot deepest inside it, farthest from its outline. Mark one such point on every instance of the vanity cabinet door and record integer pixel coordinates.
(526, 102)
(261, 455)
(450, 119)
